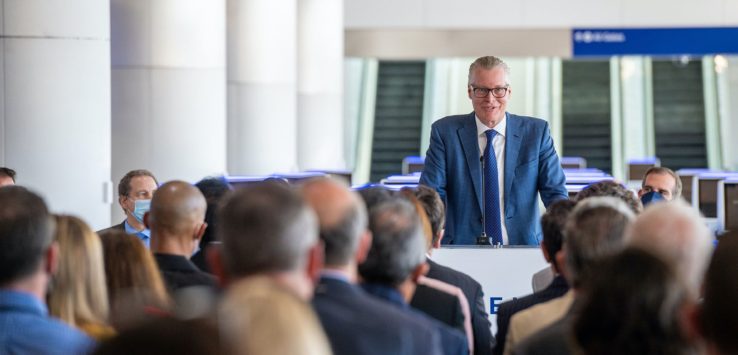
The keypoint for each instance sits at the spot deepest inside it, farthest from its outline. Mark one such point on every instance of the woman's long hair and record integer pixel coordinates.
(78, 295)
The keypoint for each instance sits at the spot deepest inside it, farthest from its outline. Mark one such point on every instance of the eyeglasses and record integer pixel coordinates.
(499, 92)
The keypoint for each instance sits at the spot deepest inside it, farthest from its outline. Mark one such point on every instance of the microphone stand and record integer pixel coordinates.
(483, 239)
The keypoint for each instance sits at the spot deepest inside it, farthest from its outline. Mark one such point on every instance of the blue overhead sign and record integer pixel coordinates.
(654, 41)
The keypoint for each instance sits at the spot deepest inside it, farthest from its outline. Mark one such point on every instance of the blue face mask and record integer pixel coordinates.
(142, 206)
(651, 197)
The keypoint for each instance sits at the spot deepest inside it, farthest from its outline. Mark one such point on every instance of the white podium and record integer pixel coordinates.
(504, 273)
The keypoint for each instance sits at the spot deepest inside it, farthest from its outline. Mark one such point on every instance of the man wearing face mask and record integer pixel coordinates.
(660, 184)
(135, 191)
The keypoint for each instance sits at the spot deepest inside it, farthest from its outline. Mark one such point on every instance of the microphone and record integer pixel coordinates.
(483, 239)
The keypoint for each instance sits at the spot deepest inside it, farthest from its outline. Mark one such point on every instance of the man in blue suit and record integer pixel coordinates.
(522, 157)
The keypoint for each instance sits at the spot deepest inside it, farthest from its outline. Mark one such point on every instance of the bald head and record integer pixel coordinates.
(341, 215)
(677, 233)
(177, 208)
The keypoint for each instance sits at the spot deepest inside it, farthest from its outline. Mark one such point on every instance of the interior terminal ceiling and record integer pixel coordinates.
(417, 44)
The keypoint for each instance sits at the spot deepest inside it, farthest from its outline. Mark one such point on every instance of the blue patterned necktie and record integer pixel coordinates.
(491, 192)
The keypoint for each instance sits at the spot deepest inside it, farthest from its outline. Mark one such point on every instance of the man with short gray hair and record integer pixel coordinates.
(677, 233)
(267, 229)
(595, 230)
(492, 199)
(396, 261)
(355, 322)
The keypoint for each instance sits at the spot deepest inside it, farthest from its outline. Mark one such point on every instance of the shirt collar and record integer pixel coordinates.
(334, 275)
(21, 301)
(130, 230)
(500, 128)
(385, 292)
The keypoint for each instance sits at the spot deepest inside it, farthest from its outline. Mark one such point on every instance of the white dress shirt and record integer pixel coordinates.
(498, 143)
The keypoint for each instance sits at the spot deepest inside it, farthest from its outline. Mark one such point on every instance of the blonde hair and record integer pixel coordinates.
(134, 282)
(79, 296)
(260, 317)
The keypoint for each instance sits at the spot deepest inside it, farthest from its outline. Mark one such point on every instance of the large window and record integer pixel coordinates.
(585, 111)
(398, 116)
(679, 113)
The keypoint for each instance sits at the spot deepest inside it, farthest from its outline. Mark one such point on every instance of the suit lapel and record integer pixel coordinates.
(512, 148)
(470, 144)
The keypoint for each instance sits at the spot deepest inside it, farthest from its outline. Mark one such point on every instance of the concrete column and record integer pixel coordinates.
(727, 67)
(169, 96)
(637, 114)
(320, 85)
(55, 102)
(262, 86)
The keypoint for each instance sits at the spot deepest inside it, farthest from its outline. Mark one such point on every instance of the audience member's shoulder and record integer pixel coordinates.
(356, 301)
(451, 276)
(116, 228)
(350, 313)
(551, 340)
(46, 335)
(520, 303)
(557, 304)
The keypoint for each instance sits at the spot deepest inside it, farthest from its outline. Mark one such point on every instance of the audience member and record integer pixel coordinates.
(678, 234)
(660, 184)
(176, 221)
(397, 259)
(259, 316)
(166, 336)
(374, 195)
(552, 223)
(438, 299)
(136, 290)
(355, 322)
(718, 316)
(613, 189)
(594, 230)
(214, 189)
(135, 191)
(79, 296)
(7, 177)
(436, 212)
(267, 229)
(602, 188)
(635, 305)
(28, 259)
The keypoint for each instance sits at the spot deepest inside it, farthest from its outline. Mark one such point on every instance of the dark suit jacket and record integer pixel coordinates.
(506, 310)
(483, 341)
(179, 272)
(118, 227)
(440, 305)
(357, 323)
(453, 342)
(452, 167)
